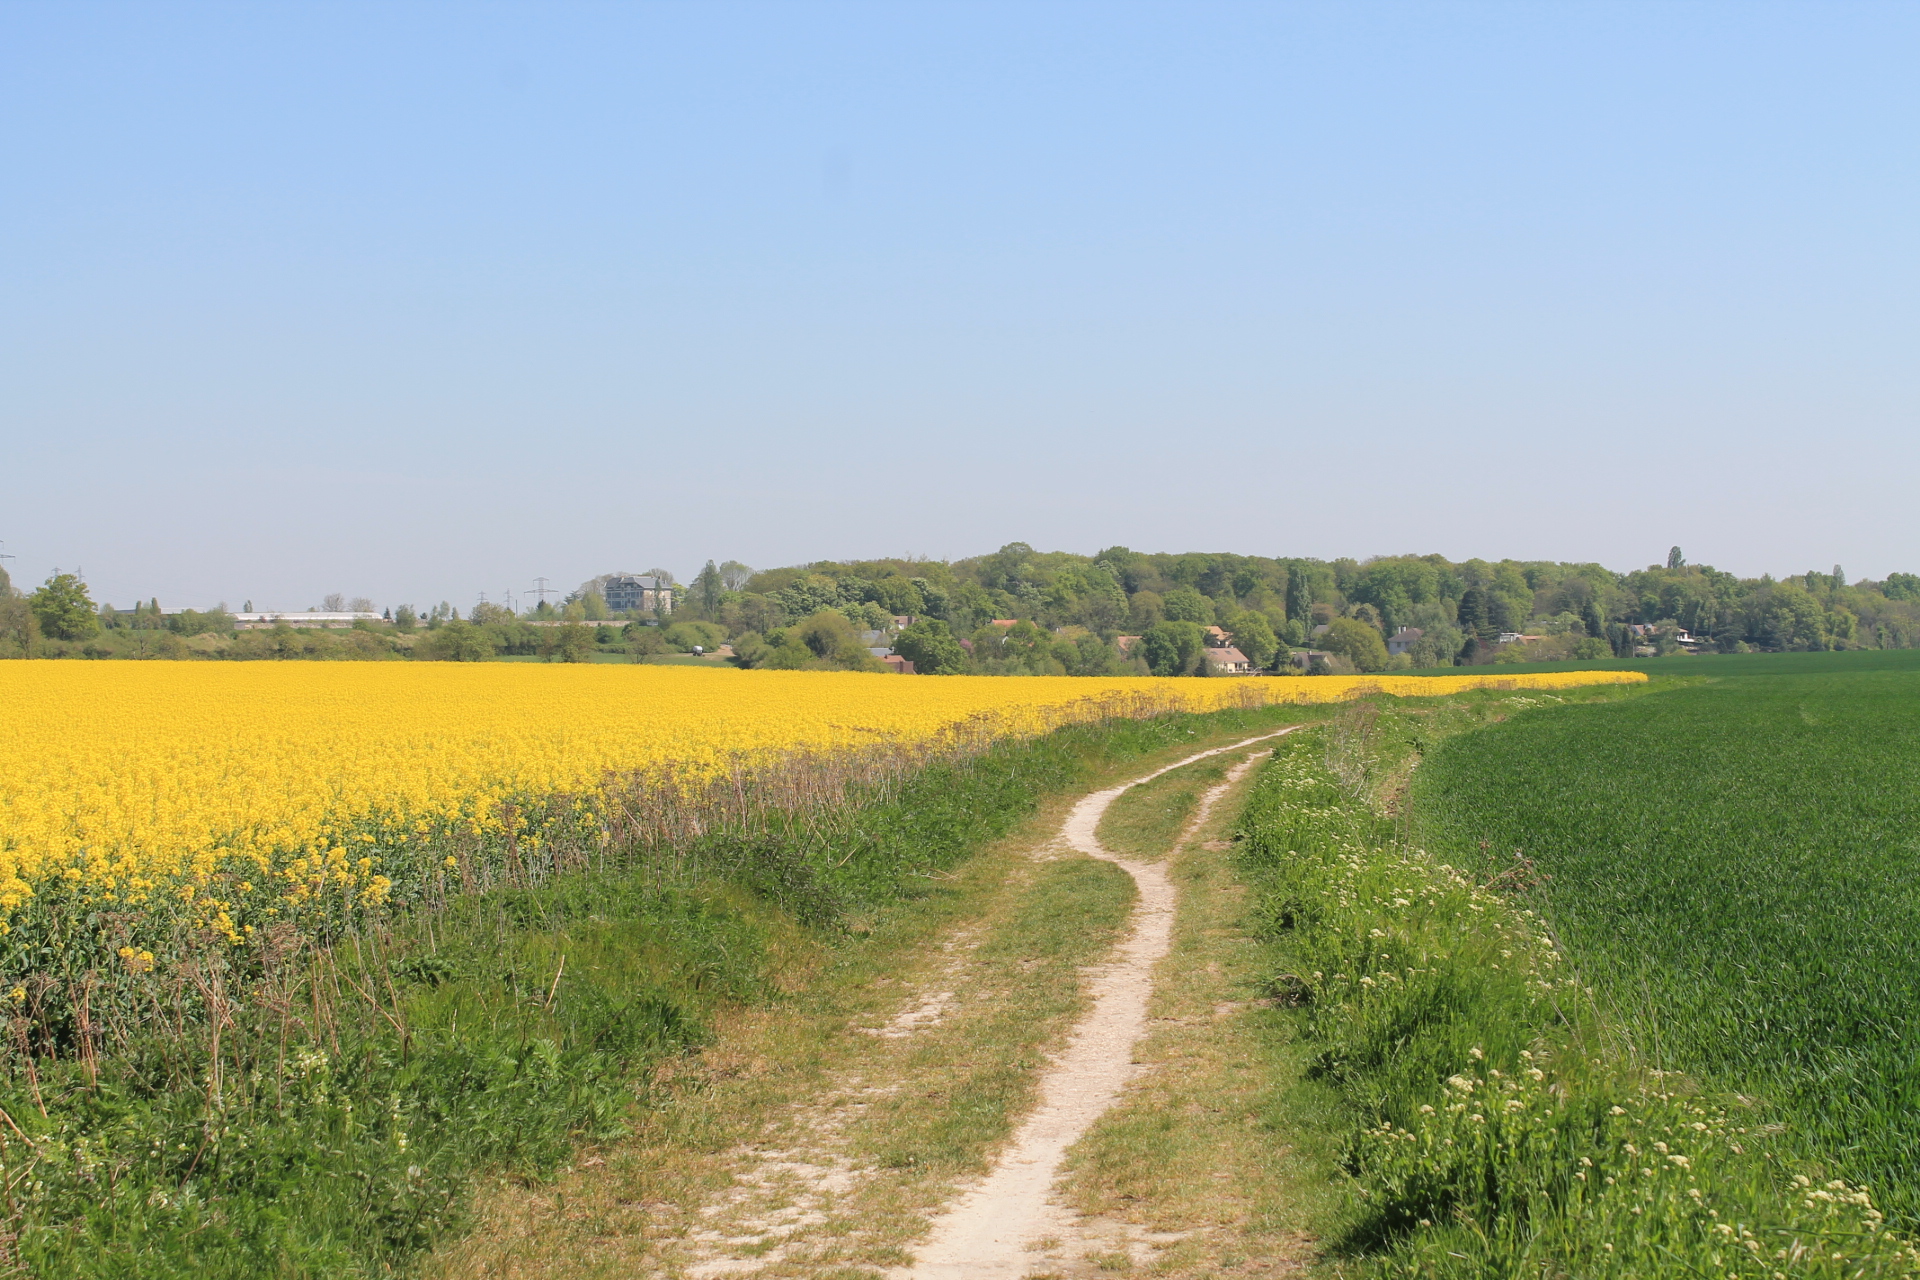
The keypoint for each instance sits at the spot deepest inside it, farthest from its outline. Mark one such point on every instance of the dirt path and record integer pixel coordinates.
(819, 1137)
(996, 1229)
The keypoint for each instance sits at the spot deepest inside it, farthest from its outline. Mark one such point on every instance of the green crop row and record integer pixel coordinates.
(1733, 866)
(1497, 1127)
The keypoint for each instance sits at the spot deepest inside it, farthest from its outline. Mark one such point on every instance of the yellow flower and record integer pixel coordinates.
(255, 768)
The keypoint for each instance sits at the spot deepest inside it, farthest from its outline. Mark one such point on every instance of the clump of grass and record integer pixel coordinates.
(1146, 819)
(1495, 1128)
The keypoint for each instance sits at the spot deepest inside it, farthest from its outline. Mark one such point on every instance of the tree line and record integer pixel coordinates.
(1019, 611)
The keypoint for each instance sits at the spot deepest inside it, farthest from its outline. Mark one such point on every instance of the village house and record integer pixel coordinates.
(637, 593)
(1646, 634)
(1403, 640)
(1228, 661)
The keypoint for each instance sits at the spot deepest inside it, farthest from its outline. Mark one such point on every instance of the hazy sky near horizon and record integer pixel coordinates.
(419, 300)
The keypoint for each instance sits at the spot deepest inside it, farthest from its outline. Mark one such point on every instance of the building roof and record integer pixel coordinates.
(1227, 655)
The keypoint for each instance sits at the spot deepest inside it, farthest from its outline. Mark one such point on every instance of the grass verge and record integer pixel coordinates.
(1493, 1128)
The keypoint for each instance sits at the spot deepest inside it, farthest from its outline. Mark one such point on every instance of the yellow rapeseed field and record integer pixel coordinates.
(130, 781)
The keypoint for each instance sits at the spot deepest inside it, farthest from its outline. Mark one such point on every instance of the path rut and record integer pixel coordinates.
(994, 1230)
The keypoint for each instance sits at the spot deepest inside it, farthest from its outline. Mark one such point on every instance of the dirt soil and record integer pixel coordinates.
(996, 1229)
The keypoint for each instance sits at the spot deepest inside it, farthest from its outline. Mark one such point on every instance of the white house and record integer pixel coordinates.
(1403, 640)
(1228, 661)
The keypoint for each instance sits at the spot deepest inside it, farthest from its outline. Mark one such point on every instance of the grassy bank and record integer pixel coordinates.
(327, 1112)
(1732, 865)
(1496, 1123)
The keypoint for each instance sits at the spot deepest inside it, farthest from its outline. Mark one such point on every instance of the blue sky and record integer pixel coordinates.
(418, 301)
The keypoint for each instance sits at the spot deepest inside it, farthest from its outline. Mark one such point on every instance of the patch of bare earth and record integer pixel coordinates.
(800, 1199)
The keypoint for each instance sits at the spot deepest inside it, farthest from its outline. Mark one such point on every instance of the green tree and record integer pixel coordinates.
(1299, 593)
(901, 596)
(1675, 560)
(1026, 644)
(1253, 636)
(1144, 610)
(1788, 617)
(1476, 610)
(930, 646)
(63, 609)
(683, 636)
(18, 629)
(1357, 642)
(570, 643)
(457, 641)
(1103, 608)
(645, 641)
(707, 586)
(1437, 646)
(1174, 648)
(833, 642)
(1094, 657)
(1184, 604)
(487, 613)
